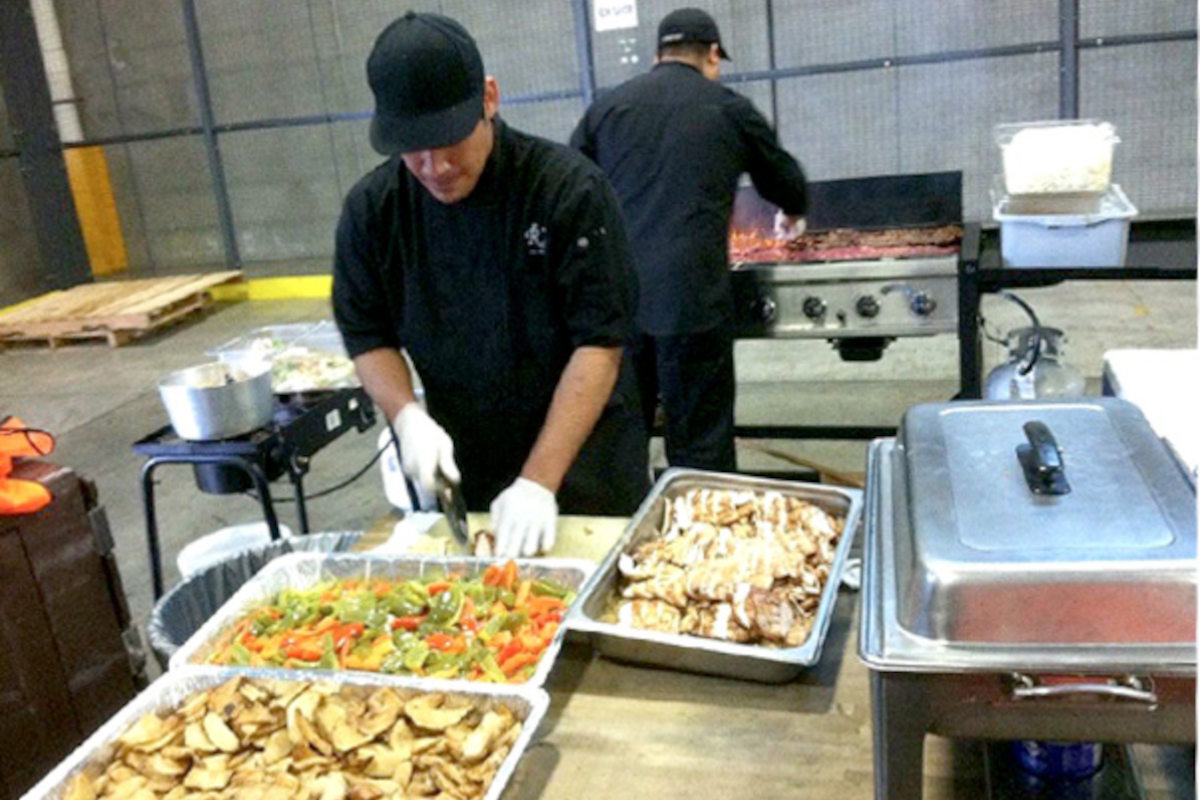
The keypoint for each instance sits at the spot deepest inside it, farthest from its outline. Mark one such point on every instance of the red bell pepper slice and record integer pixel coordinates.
(410, 623)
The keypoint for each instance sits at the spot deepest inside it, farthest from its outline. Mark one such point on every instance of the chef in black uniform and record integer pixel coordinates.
(498, 261)
(674, 143)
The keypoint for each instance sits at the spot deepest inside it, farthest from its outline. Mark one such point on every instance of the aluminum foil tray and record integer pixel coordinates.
(695, 653)
(168, 692)
(299, 570)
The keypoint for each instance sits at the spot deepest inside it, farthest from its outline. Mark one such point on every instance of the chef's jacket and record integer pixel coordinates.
(490, 296)
(674, 144)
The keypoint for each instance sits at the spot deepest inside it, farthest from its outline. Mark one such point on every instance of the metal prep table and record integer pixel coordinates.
(616, 730)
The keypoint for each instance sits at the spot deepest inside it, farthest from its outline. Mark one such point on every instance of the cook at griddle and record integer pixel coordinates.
(674, 143)
(498, 261)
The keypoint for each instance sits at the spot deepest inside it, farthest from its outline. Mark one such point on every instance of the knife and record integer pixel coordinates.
(452, 504)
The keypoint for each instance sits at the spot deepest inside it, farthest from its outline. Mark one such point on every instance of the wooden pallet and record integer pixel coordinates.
(116, 311)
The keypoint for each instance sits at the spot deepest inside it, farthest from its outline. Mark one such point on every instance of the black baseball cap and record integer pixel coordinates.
(427, 77)
(690, 25)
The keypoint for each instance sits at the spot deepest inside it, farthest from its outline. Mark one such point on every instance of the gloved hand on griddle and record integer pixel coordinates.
(788, 226)
(425, 447)
(525, 519)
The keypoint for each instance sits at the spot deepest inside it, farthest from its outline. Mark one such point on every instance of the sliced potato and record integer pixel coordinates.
(219, 733)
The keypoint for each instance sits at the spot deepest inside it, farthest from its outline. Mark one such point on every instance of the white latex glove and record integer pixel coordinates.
(425, 448)
(789, 227)
(525, 519)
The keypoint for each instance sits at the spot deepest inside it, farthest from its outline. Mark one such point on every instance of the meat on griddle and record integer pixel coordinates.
(846, 244)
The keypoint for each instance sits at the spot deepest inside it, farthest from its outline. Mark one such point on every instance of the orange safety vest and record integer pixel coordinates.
(17, 440)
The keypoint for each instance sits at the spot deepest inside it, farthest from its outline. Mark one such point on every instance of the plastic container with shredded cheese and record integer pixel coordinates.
(1057, 156)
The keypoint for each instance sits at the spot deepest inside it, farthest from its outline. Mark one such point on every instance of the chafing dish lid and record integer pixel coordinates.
(1045, 521)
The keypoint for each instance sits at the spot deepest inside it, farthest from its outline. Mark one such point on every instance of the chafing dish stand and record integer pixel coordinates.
(993, 610)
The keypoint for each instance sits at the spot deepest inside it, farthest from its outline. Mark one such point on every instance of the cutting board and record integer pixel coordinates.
(578, 537)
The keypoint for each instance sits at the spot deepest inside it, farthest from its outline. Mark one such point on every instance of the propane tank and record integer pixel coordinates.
(1035, 367)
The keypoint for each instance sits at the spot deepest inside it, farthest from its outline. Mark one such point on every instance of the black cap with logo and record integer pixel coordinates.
(427, 77)
(690, 25)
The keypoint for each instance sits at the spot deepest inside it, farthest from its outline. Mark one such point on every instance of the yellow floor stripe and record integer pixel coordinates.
(296, 287)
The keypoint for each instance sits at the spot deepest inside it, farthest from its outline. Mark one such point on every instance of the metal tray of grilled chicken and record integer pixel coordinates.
(751, 566)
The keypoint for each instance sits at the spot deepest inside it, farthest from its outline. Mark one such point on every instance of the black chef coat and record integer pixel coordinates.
(490, 296)
(674, 144)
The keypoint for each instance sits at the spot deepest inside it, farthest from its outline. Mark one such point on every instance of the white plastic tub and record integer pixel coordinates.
(1066, 240)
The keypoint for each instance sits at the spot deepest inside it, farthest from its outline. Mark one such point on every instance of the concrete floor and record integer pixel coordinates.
(99, 401)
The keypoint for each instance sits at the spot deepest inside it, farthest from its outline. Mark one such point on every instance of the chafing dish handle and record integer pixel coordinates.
(1133, 692)
(1042, 461)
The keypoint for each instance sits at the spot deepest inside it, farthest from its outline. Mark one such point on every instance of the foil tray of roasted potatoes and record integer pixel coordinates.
(207, 733)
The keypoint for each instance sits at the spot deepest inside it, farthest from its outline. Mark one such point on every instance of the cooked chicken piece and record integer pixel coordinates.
(733, 565)
(684, 550)
(653, 615)
(666, 584)
(717, 580)
(714, 621)
(814, 519)
(799, 631)
(771, 613)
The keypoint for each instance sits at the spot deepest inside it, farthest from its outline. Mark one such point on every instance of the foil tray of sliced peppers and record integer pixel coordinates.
(450, 618)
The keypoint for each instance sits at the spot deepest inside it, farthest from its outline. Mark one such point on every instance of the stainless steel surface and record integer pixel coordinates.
(168, 693)
(699, 654)
(887, 644)
(204, 413)
(262, 341)
(452, 504)
(902, 297)
(908, 705)
(981, 558)
(1109, 690)
(300, 570)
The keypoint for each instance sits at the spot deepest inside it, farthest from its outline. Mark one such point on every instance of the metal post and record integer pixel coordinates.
(64, 261)
(583, 48)
(771, 63)
(212, 150)
(1068, 65)
(970, 345)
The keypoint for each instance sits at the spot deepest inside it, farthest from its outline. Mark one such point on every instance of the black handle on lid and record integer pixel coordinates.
(1042, 461)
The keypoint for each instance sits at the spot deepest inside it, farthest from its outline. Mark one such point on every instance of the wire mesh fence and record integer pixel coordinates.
(856, 88)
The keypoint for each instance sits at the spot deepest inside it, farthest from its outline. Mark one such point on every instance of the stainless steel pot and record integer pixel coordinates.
(217, 401)
(996, 608)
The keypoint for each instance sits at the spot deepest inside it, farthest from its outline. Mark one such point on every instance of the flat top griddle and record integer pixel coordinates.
(891, 216)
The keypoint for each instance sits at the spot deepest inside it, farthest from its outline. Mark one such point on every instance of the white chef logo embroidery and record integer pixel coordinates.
(535, 239)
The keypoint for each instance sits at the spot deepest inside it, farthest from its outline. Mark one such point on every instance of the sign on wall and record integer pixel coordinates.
(614, 15)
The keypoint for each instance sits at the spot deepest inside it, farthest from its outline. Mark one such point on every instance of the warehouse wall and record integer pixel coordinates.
(288, 59)
(18, 249)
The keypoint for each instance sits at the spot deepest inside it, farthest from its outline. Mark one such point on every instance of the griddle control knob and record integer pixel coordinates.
(766, 309)
(922, 304)
(813, 308)
(919, 302)
(867, 306)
